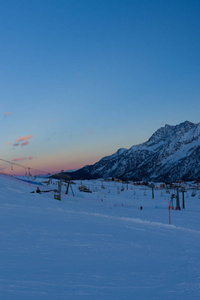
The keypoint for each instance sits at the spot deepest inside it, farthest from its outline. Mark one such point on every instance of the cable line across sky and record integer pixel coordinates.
(26, 168)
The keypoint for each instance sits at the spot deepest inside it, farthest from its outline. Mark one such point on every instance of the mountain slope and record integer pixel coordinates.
(172, 153)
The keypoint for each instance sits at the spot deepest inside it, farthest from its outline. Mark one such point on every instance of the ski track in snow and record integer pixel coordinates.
(140, 221)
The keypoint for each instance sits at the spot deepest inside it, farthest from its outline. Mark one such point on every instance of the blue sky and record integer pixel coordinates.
(80, 79)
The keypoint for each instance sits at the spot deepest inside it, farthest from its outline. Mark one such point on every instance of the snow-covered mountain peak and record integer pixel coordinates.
(169, 133)
(171, 153)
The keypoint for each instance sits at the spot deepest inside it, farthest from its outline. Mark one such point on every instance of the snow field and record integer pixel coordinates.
(97, 245)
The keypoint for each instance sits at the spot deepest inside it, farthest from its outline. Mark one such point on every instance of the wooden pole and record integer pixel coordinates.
(177, 200)
(183, 198)
(152, 192)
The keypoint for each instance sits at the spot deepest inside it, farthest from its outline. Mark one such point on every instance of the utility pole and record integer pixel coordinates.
(58, 196)
(69, 185)
(152, 187)
(177, 200)
(183, 198)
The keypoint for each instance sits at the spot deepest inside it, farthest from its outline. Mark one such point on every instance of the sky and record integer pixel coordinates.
(80, 79)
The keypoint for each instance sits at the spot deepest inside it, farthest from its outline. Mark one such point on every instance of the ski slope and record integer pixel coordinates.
(97, 245)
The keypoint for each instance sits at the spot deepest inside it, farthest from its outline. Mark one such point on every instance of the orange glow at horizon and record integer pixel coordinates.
(41, 166)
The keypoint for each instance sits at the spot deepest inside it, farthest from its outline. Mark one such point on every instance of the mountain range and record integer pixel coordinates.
(172, 153)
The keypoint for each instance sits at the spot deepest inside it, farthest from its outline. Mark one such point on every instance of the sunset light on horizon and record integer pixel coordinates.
(81, 78)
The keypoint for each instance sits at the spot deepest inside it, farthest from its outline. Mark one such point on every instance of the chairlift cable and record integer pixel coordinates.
(22, 166)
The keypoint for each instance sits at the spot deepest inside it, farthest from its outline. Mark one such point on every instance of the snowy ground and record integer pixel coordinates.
(97, 245)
